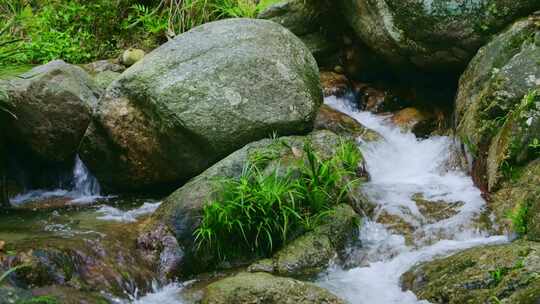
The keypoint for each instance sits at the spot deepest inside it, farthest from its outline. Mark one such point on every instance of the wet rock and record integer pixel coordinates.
(334, 83)
(93, 263)
(54, 105)
(312, 253)
(342, 124)
(193, 101)
(418, 122)
(131, 56)
(378, 100)
(507, 273)
(492, 119)
(265, 288)
(432, 35)
(180, 213)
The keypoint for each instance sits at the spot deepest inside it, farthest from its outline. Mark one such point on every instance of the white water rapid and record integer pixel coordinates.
(401, 167)
(85, 188)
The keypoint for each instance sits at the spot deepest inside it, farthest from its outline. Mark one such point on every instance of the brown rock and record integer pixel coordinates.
(334, 83)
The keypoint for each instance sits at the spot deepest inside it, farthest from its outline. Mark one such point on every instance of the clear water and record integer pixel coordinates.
(85, 189)
(402, 166)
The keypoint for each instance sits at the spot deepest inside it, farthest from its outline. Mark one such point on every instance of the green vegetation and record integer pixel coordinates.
(40, 300)
(11, 270)
(520, 218)
(520, 115)
(78, 31)
(261, 211)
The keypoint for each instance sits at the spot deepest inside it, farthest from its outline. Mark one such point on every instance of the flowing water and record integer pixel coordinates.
(402, 167)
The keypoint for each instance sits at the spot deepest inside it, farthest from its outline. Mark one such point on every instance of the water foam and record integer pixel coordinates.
(114, 214)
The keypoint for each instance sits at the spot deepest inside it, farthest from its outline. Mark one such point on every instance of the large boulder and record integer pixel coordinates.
(53, 106)
(199, 97)
(493, 274)
(432, 35)
(265, 288)
(168, 238)
(497, 109)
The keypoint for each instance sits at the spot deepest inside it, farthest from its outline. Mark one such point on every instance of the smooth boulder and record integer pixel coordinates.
(432, 35)
(53, 106)
(197, 98)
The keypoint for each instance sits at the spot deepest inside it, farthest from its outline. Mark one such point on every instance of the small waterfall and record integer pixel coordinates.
(85, 188)
(85, 183)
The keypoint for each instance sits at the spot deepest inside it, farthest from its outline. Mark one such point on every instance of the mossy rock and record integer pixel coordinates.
(432, 35)
(508, 273)
(489, 117)
(313, 252)
(266, 288)
(522, 192)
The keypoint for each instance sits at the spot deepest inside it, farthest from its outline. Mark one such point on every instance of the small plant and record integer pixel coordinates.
(12, 270)
(261, 211)
(519, 218)
(498, 274)
(40, 300)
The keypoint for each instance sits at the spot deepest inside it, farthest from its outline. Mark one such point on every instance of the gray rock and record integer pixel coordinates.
(435, 34)
(198, 98)
(53, 106)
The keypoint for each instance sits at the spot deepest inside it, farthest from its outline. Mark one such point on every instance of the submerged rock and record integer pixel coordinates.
(312, 253)
(53, 107)
(432, 35)
(96, 262)
(180, 214)
(265, 288)
(507, 273)
(494, 119)
(198, 98)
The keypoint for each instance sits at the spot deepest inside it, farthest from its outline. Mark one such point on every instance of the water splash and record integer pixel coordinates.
(85, 189)
(114, 214)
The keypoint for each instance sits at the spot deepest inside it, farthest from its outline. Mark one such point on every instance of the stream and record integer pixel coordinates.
(402, 169)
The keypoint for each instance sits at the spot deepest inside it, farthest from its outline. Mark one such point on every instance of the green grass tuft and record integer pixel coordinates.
(260, 211)
(520, 218)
